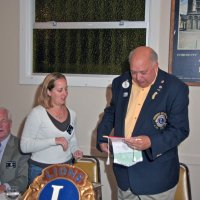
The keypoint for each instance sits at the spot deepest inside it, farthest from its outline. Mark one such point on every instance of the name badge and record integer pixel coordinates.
(11, 164)
(70, 129)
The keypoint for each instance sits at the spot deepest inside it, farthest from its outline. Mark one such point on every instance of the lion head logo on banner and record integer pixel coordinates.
(60, 182)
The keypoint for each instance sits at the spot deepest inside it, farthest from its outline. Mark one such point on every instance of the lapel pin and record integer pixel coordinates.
(125, 84)
(125, 94)
(154, 95)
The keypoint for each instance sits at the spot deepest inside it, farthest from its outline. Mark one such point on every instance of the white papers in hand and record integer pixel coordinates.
(123, 154)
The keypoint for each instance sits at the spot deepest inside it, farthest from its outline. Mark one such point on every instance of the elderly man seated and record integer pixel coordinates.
(13, 164)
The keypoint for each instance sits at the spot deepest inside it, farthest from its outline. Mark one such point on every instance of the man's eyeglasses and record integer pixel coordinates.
(4, 121)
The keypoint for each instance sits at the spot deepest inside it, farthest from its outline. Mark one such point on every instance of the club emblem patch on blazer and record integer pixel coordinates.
(160, 120)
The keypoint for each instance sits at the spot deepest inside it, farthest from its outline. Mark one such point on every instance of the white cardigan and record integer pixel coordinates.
(38, 138)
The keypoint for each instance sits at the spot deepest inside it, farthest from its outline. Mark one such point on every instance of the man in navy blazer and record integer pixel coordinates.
(161, 124)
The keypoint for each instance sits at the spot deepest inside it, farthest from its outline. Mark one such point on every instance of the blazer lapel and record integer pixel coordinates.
(148, 103)
(9, 147)
(125, 99)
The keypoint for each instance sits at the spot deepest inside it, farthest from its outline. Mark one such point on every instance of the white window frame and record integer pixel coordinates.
(27, 24)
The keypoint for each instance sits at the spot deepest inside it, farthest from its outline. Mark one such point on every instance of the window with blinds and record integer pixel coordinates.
(88, 40)
(87, 36)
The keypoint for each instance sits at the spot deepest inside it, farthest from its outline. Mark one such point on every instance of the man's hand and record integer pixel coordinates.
(104, 147)
(141, 142)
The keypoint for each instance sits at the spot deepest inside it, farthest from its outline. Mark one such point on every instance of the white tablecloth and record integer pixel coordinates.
(3, 196)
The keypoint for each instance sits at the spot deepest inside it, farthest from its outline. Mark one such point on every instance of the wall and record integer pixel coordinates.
(89, 102)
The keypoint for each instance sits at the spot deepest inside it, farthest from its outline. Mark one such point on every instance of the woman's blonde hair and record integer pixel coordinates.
(48, 84)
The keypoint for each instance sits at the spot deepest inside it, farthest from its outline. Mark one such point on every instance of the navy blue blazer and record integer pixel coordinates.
(164, 118)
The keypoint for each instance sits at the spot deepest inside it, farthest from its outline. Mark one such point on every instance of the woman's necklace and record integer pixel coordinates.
(59, 114)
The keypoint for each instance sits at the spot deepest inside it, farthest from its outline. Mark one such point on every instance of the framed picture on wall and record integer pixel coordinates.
(184, 45)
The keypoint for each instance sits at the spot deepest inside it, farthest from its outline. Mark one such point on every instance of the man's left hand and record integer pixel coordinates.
(141, 142)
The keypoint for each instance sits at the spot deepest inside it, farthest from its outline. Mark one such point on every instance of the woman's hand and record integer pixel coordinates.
(78, 154)
(63, 142)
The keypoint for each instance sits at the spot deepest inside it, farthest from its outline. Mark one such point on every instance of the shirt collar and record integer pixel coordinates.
(5, 141)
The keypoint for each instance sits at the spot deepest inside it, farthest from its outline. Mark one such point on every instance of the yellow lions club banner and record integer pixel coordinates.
(60, 182)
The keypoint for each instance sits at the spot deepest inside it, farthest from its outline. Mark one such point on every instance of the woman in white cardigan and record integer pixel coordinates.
(49, 131)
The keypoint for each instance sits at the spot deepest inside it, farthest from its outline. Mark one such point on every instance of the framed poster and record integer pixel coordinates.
(184, 45)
